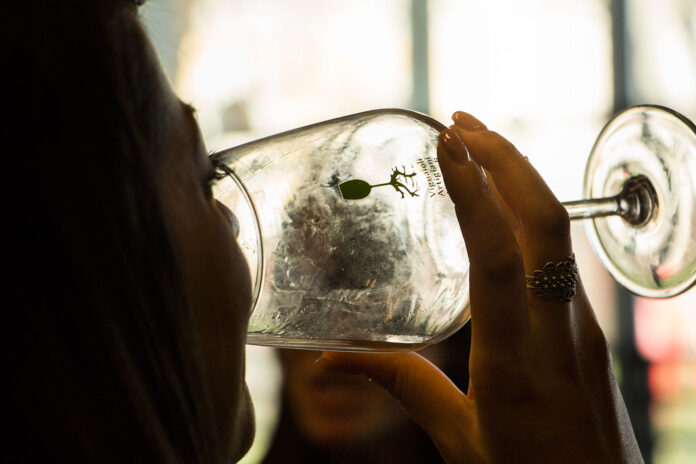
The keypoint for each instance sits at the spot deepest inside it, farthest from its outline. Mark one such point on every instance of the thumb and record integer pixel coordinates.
(424, 391)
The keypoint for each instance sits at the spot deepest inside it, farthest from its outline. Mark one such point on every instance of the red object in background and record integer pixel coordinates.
(657, 331)
(667, 381)
(664, 332)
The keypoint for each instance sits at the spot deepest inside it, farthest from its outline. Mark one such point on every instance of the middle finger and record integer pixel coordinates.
(498, 302)
(544, 231)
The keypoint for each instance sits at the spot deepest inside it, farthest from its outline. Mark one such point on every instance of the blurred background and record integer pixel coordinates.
(547, 74)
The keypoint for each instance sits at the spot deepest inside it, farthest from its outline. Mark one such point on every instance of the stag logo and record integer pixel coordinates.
(356, 189)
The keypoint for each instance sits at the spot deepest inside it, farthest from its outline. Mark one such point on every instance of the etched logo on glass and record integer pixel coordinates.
(357, 189)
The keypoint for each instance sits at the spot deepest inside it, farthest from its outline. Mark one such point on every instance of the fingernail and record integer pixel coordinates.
(454, 146)
(325, 363)
(321, 361)
(467, 121)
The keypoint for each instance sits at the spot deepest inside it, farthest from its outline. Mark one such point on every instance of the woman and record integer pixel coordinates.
(124, 268)
(130, 297)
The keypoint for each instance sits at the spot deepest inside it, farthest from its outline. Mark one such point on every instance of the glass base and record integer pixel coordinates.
(655, 257)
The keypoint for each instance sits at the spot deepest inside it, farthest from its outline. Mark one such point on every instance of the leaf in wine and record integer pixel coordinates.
(354, 189)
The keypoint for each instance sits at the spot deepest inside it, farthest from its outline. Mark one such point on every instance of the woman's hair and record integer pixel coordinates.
(102, 355)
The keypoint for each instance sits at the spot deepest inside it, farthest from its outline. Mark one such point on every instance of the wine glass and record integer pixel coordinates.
(353, 243)
(349, 233)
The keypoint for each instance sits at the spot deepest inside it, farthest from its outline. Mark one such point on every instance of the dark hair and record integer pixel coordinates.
(102, 355)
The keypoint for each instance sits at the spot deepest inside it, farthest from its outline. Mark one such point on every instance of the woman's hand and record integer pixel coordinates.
(541, 385)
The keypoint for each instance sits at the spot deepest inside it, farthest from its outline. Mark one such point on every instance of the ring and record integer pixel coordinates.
(555, 282)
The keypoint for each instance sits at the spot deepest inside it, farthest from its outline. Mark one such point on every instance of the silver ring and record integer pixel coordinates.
(555, 282)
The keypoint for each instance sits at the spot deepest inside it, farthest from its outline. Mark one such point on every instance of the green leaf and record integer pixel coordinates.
(354, 189)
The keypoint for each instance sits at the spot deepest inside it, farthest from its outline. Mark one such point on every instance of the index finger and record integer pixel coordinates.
(545, 227)
(497, 287)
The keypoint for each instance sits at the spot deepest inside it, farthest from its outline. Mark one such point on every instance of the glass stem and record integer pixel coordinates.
(598, 207)
(636, 203)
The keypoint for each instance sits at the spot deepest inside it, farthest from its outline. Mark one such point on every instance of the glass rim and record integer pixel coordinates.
(258, 278)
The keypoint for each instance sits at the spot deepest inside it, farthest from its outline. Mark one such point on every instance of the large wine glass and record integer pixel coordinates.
(353, 243)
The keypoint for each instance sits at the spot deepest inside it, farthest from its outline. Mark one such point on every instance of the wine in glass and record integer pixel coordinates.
(353, 242)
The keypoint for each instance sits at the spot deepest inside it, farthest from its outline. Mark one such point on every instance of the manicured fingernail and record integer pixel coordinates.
(454, 146)
(467, 121)
(325, 363)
